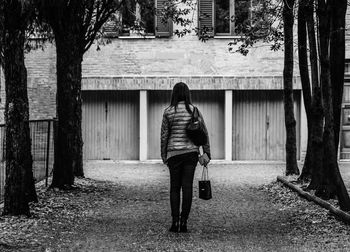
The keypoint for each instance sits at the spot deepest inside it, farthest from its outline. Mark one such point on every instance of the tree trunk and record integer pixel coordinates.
(305, 83)
(331, 182)
(337, 57)
(316, 153)
(75, 25)
(68, 154)
(317, 116)
(291, 149)
(306, 172)
(19, 185)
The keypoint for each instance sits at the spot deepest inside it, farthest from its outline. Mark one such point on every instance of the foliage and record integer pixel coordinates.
(179, 11)
(266, 26)
(37, 32)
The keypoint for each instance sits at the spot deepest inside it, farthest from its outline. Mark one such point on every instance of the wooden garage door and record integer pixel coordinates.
(157, 102)
(345, 123)
(111, 125)
(249, 125)
(258, 125)
(211, 104)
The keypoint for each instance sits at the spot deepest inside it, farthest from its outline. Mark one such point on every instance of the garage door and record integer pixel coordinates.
(111, 125)
(211, 104)
(345, 124)
(258, 125)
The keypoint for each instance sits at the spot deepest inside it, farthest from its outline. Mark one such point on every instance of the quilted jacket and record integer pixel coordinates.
(174, 140)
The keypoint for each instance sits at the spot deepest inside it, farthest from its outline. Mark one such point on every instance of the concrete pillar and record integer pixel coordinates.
(303, 129)
(143, 126)
(228, 125)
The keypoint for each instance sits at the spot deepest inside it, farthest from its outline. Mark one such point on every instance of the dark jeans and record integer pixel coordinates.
(182, 168)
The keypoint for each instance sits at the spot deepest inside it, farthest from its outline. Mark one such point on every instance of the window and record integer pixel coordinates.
(225, 17)
(137, 18)
(231, 16)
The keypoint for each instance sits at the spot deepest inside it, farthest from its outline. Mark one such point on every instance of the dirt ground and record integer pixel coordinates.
(126, 208)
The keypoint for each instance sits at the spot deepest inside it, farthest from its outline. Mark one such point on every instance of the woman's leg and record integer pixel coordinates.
(189, 168)
(175, 186)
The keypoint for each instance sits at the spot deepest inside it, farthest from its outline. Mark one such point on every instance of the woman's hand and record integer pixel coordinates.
(204, 159)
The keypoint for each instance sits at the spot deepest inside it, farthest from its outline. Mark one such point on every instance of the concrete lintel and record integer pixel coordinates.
(212, 82)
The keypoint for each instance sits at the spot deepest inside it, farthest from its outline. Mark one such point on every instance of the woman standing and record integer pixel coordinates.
(180, 154)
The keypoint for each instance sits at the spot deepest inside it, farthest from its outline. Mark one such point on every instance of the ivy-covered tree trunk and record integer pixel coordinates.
(68, 155)
(19, 185)
(290, 122)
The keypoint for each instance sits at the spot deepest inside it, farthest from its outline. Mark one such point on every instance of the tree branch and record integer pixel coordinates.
(105, 11)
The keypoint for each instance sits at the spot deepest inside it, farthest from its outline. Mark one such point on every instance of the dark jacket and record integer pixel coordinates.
(174, 140)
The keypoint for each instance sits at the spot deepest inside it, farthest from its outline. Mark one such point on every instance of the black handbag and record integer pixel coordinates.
(195, 130)
(204, 185)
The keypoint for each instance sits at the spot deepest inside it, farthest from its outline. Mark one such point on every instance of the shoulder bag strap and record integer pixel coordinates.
(195, 114)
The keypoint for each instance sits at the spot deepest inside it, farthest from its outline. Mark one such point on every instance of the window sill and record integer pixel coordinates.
(228, 37)
(137, 37)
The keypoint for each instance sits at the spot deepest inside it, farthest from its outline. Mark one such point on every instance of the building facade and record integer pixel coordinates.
(127, 84)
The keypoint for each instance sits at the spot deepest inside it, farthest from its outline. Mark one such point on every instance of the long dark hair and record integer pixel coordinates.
(181, 92)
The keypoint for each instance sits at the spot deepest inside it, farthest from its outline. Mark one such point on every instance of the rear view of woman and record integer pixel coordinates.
(180, 154)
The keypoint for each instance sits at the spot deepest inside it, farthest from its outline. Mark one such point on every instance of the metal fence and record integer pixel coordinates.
(42, 140)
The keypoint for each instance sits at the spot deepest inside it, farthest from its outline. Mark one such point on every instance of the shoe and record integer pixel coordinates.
(175, 226)
(183, 226)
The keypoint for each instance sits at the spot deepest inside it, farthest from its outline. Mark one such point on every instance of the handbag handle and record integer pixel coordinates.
(205, 174)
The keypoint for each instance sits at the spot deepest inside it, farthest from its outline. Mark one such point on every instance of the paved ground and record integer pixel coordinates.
(237, 218)
(146, 173)
(125, 207)
(135, 215)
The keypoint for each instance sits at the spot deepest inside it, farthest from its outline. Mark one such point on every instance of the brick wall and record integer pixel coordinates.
(152, 57)
(41, 71)
(179, 56)
(125, 57)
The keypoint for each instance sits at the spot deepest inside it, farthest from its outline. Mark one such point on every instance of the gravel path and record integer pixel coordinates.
(125, 207)
(240, 217)
(237, 218)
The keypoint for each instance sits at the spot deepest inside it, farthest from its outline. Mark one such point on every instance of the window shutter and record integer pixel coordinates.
(162, 29)
(205, 15)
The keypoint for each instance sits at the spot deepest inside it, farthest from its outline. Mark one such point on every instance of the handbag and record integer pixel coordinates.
(204, 185)
(195, 129)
